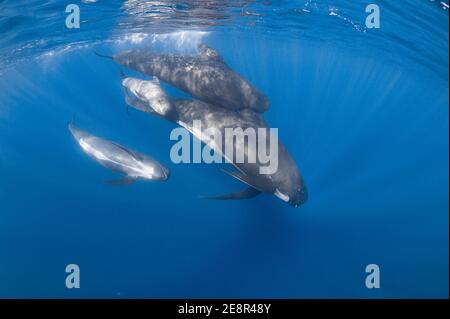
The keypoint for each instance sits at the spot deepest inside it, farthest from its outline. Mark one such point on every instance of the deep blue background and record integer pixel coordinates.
(368, 131)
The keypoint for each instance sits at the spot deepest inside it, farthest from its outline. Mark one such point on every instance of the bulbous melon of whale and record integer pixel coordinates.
(285, 182)
(205, 76)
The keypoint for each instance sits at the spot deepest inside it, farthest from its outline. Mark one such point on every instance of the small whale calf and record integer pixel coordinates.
(205, 76)
(119, 158)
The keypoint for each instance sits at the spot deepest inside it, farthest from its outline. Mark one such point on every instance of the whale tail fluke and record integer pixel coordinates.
(75, 131)
(72, 127)
(103, 55)
(74, 116)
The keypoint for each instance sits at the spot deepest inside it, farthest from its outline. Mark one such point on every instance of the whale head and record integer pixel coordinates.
(294, 196)
(288, 182)
(149, 92)
(144, 167)
(151, 170)
(299, 196)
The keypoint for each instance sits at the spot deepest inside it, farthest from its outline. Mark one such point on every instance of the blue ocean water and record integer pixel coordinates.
(364, 112)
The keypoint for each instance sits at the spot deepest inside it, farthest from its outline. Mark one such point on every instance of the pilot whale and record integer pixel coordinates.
(118, 158)
(286, 182)
(205, 76)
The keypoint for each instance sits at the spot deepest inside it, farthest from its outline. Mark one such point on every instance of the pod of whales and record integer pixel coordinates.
(222, 100)
(119, 158)
(205, 76)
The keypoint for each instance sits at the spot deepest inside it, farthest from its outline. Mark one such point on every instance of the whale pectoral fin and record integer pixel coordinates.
(240, 177)
(127, 180)
(249, 192)
(137, 104)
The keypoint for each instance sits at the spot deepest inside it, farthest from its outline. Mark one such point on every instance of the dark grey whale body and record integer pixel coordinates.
(286, 182)
(205, 76)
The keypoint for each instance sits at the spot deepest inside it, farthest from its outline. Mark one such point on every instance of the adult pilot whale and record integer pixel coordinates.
(119, 158)
(285, 182)
(205, 76)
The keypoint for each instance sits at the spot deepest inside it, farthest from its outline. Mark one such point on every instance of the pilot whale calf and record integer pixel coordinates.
(205, 76)
(118, 158)
(286, 182)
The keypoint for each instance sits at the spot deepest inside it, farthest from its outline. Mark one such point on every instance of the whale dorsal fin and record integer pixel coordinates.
(207, 52)
(155, 80)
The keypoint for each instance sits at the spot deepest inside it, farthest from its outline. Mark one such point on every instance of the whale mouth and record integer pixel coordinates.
(298, 199)
(280, 195)
(302, 197)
